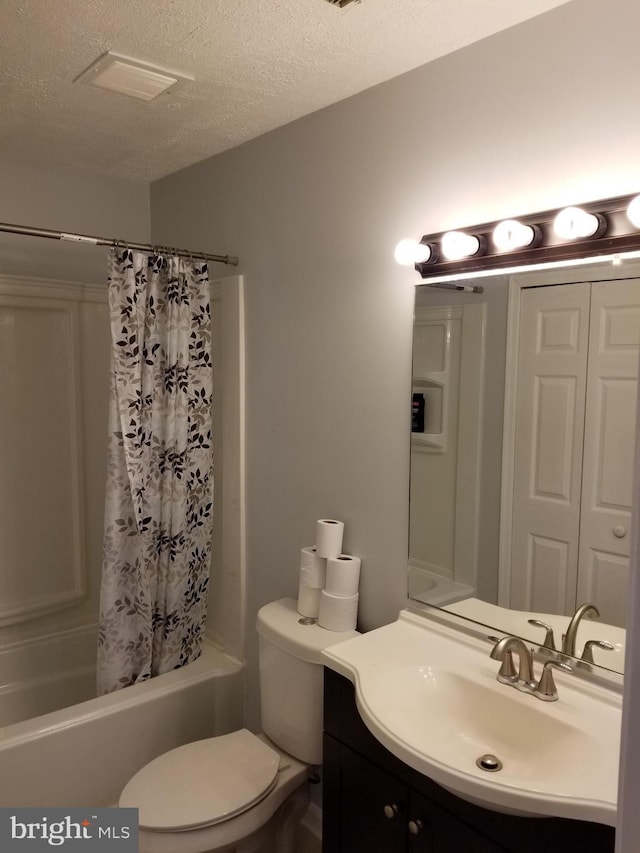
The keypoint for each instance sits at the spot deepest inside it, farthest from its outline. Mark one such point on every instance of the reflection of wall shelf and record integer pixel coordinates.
(434, 436)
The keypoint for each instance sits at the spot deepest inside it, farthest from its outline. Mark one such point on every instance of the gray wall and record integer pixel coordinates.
(535, 117)
(66, 199)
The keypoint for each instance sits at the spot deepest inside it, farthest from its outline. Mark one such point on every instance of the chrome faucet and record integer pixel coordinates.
(523, 679)
(569, 639)
(502, 651)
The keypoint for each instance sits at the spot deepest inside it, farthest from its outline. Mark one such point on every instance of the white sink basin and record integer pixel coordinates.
(430, 695)
(454, 717)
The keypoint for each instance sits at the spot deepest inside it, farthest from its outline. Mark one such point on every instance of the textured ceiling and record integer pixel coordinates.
(257, 64)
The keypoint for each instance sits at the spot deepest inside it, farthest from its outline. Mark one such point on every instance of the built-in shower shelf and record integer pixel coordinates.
(434, 437)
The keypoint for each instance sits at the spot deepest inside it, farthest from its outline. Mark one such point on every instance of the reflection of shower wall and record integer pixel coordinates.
(447, 460)
(434, 453)
(54, 352)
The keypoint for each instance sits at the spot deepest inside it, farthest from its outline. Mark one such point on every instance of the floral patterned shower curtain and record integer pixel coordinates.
(158, 515)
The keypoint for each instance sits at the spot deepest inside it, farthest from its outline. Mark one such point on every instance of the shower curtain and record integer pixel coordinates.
(159, 503)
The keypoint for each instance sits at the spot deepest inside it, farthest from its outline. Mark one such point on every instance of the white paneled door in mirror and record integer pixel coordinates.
(575, 427)
(612, 380)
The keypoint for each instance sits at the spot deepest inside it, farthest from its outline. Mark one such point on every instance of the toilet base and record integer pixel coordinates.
(279, 835)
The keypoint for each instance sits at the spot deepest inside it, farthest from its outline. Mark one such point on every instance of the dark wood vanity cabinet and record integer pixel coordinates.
(374, 803)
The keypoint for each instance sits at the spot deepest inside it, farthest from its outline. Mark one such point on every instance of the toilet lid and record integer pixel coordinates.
(202, 783)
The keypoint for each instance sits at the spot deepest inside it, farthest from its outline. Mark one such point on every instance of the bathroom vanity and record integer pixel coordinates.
(375, 803)
(427, 749)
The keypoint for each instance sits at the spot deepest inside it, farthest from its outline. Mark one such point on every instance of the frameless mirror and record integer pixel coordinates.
(522, 444)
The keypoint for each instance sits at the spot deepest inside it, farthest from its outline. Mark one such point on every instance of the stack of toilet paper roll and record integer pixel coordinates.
(328, 588)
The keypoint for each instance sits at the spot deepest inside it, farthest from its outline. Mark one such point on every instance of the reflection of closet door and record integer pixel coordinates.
(550, 404)
(608, 447)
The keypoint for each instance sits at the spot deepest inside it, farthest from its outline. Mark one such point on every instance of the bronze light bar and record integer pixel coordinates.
(615, 234)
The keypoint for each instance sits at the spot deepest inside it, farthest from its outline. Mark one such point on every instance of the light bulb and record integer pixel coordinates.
(572, 223)
(410, 252)
(457, 245)
(511, 234)
(633, 211)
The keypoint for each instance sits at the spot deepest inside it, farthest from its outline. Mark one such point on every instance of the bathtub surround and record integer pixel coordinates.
(53, 386)
(48, 659)
(159, 504)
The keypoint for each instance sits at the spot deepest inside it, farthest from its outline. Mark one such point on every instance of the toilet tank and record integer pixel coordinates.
(291, 678)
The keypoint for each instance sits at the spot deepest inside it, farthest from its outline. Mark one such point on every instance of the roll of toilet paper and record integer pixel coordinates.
(329, 533)
(313, 569)
(343, 575)
(338, 612)
(308, 600)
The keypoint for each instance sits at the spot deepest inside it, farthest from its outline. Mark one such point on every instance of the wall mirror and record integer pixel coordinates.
(522, 447)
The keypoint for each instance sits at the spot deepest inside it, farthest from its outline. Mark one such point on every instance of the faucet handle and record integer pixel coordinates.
(549, 641)
(587, 653)
(546, 688)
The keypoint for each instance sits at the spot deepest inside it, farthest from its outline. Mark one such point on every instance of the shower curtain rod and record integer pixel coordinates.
(105, 241)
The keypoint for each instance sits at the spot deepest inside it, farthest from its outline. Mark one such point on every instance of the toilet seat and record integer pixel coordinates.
(202, 783)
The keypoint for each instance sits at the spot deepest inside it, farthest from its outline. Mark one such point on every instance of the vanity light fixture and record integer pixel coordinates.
(511, 234)
(609, 227)
(574, 223)
(457, 245)
(633, 211)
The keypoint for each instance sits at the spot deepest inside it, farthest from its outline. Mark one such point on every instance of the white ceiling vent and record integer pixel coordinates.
(130, 77)
(342, 3)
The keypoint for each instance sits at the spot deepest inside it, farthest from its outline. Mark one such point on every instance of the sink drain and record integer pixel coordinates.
(490, 763)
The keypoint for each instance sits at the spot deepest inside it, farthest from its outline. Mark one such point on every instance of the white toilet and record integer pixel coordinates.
(242, 792)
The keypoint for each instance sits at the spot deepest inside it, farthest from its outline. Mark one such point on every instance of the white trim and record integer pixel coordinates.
(627, 824)
(508, 443)
(228, 627)
(470, 420)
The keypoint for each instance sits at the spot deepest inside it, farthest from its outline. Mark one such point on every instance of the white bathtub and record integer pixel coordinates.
(84, 755)
(45, 674)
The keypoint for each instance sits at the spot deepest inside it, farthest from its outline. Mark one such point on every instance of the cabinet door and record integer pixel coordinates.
(434, 830)
(420, 820)
(373, 807)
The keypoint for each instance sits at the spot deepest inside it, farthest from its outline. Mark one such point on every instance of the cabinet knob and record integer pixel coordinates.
(620, 531)
(415, 827)
(391, 811)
